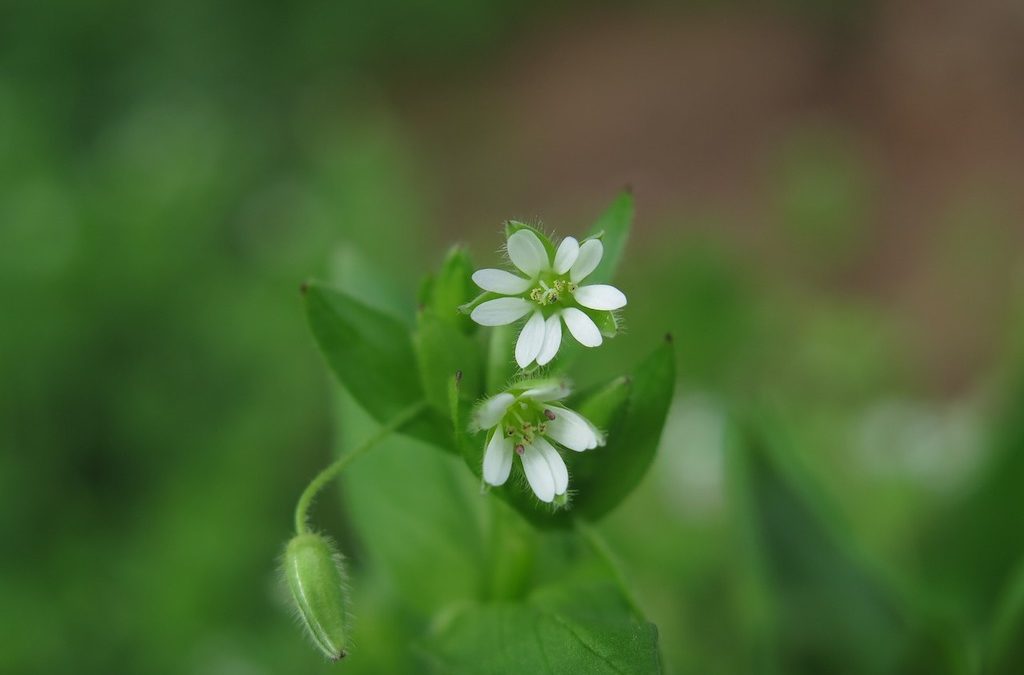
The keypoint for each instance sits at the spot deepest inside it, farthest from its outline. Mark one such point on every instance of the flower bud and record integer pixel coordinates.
(316, 579)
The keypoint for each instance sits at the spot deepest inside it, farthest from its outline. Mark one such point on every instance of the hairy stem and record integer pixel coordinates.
(334, 470)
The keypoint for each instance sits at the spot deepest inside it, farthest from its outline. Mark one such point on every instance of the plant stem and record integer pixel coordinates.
(332, 471)
(600, 547)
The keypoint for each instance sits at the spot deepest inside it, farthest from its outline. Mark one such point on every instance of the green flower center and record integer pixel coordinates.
(525, 420)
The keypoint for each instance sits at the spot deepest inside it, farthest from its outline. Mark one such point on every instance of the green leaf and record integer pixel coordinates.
(417, 515)
(442, 349)
(603, 477)
(372, 356)
(451, 288)
(973, 547)
(831, 610)
(557, 629)
(613, 227)
(1006, 642)
(445, 339)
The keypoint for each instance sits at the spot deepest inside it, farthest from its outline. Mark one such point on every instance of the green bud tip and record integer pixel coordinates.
(316, 579)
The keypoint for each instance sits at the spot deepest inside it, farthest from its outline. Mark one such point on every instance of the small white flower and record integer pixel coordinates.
(527, 421)
(549, 293)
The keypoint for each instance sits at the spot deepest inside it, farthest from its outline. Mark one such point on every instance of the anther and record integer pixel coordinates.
(520, 449)
(550, 415)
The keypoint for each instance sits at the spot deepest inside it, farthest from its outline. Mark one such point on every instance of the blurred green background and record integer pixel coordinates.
(829, 222)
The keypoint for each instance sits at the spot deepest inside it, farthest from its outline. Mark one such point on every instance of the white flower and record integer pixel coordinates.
(549, 293)
(528, 421)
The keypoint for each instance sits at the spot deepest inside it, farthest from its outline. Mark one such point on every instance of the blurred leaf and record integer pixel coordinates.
(974, 545)
(832, 613)
(417, 514)
(1006, 643)
(603, 477)
(613, 225)
(557, 629)
(371, 354)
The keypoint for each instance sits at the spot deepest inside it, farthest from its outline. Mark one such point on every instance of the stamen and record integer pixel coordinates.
(520, 449)
(550, 415)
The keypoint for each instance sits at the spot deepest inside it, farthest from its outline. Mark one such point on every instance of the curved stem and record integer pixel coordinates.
(332, 471)
(600, 547)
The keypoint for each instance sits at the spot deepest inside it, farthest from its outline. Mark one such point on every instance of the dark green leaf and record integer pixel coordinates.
(962, 557)
(372, 356)
(613, 226)
(556, 630)
(603, 477)
(1006, 644)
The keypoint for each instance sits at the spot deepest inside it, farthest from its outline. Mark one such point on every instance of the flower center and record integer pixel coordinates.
(553, 289)
(524, 421)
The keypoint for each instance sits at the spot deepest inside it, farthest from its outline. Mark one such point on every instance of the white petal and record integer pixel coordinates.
(566, 254)
(554, 391)
(552, 340)
(572, 430)
(538, 474)
(582, 327)
(500, 281)
(600, 296)
(531, 339)
(493, 409)
(527, 252)
(555, 463)
(501, 311)
(498, 458)
(590, 255)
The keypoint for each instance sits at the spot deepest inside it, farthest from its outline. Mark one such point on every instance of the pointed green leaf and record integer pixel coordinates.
(442, 349)
(603, 477)
(613, 227)
(372, 356)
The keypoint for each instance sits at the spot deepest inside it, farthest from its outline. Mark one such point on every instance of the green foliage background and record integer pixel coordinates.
(822, 501)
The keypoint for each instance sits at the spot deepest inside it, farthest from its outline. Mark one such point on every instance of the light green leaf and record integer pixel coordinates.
(613, 227)
(556, 630)
(603, 477)
(372, 356)
(417, 514)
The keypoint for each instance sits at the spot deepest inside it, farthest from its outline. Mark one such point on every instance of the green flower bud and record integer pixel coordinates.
(316, 578)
